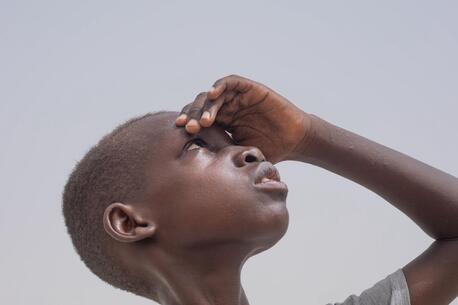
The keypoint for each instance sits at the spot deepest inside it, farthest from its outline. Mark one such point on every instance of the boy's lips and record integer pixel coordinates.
(266, 176)
(266, 170)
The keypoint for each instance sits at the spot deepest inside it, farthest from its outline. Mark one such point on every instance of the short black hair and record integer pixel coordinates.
(111, 171)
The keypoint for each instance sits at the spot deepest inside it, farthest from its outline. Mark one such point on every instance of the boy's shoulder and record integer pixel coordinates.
(392, 290)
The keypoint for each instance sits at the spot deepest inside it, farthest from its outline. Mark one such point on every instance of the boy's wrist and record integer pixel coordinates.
(316, 133)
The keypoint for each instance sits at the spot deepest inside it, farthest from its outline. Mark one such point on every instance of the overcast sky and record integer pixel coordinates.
(70, 71)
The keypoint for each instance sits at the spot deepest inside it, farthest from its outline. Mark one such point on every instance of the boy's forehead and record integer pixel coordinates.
(165, 127)
(162, 127)
(162, 137)
(164, 124)
(164, 133)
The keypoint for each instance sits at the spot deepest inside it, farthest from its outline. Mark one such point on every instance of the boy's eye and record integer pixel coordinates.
(195, 144)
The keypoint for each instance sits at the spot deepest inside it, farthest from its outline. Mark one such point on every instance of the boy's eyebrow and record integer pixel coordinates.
(185, 136)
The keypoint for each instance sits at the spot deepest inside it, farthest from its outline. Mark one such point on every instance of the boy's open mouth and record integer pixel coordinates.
(266, 176)
(266, 172)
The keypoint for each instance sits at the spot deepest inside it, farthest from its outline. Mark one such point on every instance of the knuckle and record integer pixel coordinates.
(201, 95)
(206, 106)
(235, 77)
(185, 108)
(193, 111)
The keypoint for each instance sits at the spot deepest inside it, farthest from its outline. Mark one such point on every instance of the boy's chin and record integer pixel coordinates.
(269, 233)
(266, 244)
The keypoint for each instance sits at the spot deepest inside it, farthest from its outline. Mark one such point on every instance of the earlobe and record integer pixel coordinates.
(125, 224)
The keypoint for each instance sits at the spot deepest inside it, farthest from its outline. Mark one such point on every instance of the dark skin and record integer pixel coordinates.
(203, 217)
(258, 116)
(196, 231)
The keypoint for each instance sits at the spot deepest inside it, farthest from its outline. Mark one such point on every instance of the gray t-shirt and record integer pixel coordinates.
(392, 290)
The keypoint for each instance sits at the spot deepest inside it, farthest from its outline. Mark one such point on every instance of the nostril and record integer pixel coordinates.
(250, 158)
(247, 155)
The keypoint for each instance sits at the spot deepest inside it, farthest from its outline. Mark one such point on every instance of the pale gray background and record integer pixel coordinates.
(70, 71)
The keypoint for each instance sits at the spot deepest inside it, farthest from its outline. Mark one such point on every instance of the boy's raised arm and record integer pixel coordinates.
(258, 116)
(425, 194)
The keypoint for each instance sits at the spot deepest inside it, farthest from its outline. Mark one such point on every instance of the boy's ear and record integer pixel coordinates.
(125, 224)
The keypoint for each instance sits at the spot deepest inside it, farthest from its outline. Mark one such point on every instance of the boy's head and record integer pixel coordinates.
(149, 190)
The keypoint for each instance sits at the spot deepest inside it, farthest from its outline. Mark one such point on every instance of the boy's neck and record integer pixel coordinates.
(200, 276)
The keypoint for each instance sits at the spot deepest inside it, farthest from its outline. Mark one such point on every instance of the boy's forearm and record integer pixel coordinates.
(425, 194)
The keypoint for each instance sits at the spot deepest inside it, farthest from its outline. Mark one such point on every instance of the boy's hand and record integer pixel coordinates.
(254, 114)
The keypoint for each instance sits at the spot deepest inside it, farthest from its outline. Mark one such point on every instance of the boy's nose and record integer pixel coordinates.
(247, 155)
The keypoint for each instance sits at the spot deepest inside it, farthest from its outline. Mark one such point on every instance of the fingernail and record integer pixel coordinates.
(211, 89)
(192, 122)
(181, 117)
(206, 115)
(192, 126)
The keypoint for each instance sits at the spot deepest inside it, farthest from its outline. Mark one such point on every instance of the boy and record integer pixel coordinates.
(172, 213)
